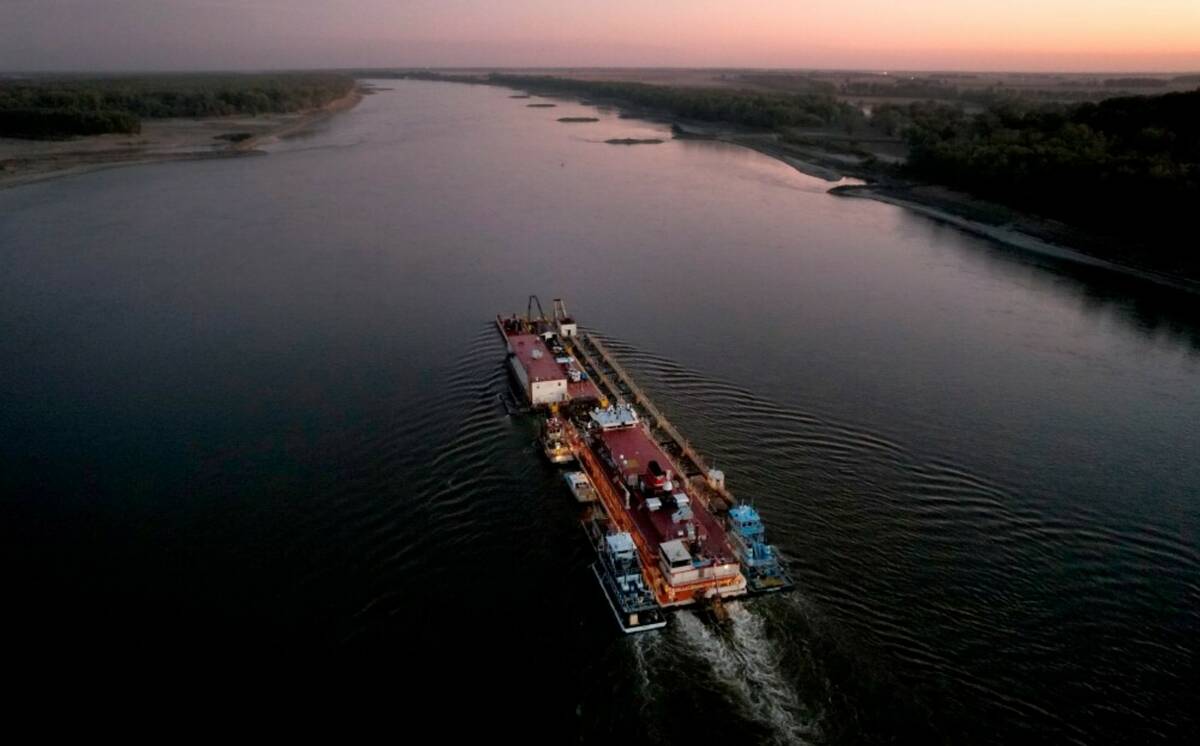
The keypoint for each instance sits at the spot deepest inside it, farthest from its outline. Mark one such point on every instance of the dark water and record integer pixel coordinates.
(251, 406)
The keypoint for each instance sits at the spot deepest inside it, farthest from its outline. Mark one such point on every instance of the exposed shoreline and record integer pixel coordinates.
(30, 161)
(1012, 237)
(808, 168)
(1012, 229)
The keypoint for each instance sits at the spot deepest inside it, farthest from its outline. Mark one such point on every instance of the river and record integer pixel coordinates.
(253, 404)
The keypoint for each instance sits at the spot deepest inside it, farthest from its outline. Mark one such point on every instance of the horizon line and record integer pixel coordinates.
(598, 68)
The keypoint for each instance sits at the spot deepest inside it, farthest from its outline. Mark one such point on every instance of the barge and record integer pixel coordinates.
(659, 512)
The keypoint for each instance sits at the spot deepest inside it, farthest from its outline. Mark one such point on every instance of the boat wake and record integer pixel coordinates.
(644, 646)
(747, 661)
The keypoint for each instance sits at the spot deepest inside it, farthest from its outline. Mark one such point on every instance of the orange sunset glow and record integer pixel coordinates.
(1020, 35)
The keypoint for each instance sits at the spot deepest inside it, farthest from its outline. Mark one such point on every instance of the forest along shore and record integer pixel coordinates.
(25, 161)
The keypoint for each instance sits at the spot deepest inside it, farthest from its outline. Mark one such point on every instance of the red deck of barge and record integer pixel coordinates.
(633, 449)
(583, 390)
(651, 528)
(535, 357)
(539, 363)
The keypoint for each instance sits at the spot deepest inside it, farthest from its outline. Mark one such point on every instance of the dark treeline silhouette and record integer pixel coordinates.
(55, 108)
(48, 123)
(937, 89)
(747, 108)
(788, 82)
(1124, 166)
(430, 75)
(1136, 83)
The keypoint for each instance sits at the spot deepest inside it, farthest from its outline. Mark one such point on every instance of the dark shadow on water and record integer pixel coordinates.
(1154, 310)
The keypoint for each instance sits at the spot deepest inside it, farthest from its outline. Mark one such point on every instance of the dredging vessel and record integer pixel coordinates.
(666, 530)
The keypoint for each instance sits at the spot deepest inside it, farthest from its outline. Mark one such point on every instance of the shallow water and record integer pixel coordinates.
(252, 404)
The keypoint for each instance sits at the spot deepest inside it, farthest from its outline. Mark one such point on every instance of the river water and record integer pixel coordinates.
(252, 405)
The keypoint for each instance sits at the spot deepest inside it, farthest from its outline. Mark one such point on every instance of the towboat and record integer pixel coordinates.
(581, 487)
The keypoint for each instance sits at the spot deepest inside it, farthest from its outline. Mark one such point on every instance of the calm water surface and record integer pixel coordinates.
(252, 405)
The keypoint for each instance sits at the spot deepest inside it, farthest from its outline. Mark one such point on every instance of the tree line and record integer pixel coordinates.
(1126, 166)
(58, 108)
(749, 108)
(743, 107)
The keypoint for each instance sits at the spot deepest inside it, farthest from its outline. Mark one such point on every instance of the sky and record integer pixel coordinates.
(1002, 35)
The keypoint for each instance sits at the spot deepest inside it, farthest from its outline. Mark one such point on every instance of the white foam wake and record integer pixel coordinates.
(641, 650)
(749, 664)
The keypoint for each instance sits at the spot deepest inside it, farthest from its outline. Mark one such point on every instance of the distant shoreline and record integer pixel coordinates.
(1034, 234)
(30, 161)
(25, 162)
(1021, 231)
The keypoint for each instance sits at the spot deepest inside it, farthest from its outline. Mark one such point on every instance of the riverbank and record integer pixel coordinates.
(835, 151)
(28, 161)
(1004, 226)
(1013, 229)
(976, 216)
(805, 163)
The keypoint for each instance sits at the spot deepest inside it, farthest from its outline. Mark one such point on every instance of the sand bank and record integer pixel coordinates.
(27, 161)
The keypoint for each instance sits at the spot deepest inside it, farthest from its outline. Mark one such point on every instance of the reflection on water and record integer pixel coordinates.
(1152, 309)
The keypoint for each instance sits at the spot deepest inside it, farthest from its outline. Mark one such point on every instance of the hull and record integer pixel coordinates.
(554, 442)
(581, 487)
(620, 576)
(629, 623)
(765, 571)
(558, 456)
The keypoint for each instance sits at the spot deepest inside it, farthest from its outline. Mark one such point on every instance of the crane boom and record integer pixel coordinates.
(529, 310)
